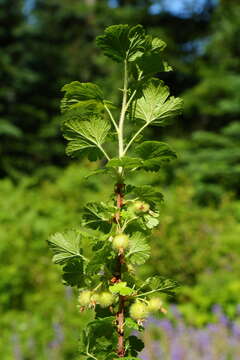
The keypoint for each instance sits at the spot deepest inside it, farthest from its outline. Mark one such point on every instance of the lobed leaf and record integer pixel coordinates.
(100, 339)
(151, 221)
(98, 216)
(139, 249)
(155, 106)
(81, 95)
(121, 288)
(66, 246)
(151, 156)
(161, 284)
(131, 324)
(146, 193)
(101, 257)
(125, 162)
(154, 154)
(152, 60)
(73, 273)
(135, 345)
(122, 42)
(86, 135)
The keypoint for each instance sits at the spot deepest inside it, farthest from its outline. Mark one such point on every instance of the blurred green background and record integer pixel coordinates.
(46, 43)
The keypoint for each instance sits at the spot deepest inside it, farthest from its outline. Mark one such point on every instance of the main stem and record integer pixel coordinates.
(119, 194)
(123, 110)
(120, 261)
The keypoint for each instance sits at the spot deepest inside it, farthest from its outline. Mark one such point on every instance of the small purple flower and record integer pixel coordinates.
(166, 325)
(215, 341)
(236, 330)
(212, 327)
(175, 312)
(216, 309)
(223, 320)
(176, 351)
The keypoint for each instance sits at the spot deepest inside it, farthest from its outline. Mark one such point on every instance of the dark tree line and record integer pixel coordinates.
(42, 50)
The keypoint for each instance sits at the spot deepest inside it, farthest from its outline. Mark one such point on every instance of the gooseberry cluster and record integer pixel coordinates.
(89, 299)
(140, 309)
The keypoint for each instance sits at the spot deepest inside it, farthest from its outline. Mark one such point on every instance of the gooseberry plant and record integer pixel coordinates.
(101, 257)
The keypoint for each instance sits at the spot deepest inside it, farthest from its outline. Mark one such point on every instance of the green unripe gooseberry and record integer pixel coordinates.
(140, 207)
(105, 299)
(155, 304)
(84, 298)
(120, 241)
(95, 298)
(138, 311)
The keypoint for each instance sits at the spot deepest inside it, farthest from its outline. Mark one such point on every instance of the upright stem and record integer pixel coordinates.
(119, 194)
(120, 261)
(123, 110)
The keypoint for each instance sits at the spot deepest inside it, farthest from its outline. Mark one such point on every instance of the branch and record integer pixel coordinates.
(103, 151)
(111, 117)
(123, 110)
(152, 292)
(134, 137)
(130, 99)
(120, 261)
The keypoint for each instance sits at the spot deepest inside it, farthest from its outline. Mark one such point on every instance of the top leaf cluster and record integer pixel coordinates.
(89, 117)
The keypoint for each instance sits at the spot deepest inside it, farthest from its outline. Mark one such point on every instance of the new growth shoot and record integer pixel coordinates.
(100, 258)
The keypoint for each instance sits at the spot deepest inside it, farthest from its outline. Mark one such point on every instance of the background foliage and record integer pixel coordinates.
(48, 43)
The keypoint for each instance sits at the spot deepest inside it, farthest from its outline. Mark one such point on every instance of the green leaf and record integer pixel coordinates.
(66, 246)
(81, 95)
(100, 257)
(98, 216)
(151, 221)
(155, 106)
(9, 129)
(98, 325)
(131, 324)
(161, 284)
(86, 135)
(122, 42)
(121, 288)
(136, 345)
(146, 193)
(73, 273)
(95, 172)
(158, 44)
(154, 154)
(125, 161)
(100, 339)
(152, 60)
(139, 249)
(152, 63)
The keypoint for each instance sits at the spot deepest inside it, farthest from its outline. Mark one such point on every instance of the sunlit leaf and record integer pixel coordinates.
(86, 135)
(121, 288)
(155, 106)
(122, 42)
(154, 154)
(139, 249)
(66, 246)
(81, 95)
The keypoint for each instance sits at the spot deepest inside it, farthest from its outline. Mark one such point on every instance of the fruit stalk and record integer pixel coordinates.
(120, 260)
